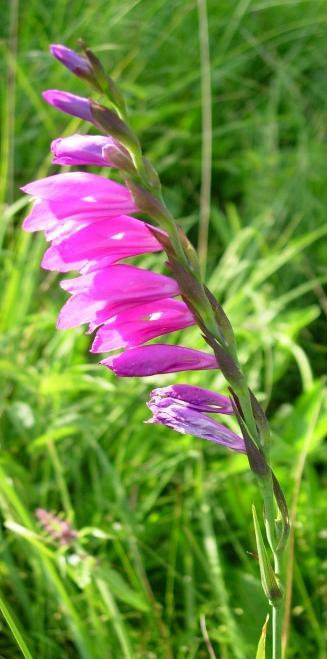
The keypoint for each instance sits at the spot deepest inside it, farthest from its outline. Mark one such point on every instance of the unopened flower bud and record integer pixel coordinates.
(77, 106)
(71, 60)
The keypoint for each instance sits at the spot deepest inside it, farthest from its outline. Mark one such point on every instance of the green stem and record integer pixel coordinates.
(277, 616)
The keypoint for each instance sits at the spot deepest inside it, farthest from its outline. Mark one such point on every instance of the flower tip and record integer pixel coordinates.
(55, 49)
(109, 363)
(50, 95)
(77, 106)
(73, 61)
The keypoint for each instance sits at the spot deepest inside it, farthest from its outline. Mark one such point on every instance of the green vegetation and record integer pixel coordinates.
(164, 565)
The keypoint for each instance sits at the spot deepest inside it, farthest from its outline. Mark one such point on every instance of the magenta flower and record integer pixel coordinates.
(99, 295)
(77, 106)
(142, 323)
(82, 191)
(104, 241)
(76, 197)
(157, 359)
(74, 62)
(181, 408)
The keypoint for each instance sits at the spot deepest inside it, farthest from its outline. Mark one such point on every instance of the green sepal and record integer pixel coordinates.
(109, 122)
(284, 515)
(222, 320)
(102, 82)
(256, 458)
(150, 205)
(268, 578)
(120, 158)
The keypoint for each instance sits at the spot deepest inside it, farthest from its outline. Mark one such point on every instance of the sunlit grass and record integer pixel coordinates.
(165, 536)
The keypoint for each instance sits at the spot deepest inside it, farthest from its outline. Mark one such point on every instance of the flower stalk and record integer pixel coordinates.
(85, 217)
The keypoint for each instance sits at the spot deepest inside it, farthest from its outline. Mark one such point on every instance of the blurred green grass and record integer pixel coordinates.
(164, 520)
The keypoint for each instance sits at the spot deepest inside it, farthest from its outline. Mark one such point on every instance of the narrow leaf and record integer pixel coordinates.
(268, 579)
(261, 649)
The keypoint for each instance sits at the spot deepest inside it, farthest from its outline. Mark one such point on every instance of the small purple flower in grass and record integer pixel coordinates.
(58, 529)
(77, 106)
(158, 359)
(86, 150)
(74, 62)
(181, 407)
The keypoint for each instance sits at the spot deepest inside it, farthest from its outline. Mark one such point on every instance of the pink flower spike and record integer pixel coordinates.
(142, 323)
(158, 359)
(77, 106)
(83, 150)
(74, 62)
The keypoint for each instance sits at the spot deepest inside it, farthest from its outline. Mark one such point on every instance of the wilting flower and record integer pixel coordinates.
(181, 407)
(197, 398)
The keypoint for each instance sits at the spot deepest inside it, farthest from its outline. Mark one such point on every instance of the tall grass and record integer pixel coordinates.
(164, 563)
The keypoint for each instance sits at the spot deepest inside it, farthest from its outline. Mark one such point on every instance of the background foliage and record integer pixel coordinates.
(163, 564)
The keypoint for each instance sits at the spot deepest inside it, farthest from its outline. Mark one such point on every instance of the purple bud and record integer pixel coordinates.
(81, 150)
(74, 62)
(77, 106)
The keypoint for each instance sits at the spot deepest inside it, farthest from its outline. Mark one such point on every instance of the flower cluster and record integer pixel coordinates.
(90, 223)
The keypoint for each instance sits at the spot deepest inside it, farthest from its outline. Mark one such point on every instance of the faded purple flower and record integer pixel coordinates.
(201, 400)
(176, 412)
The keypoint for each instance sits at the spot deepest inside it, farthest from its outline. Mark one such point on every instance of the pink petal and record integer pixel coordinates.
(117, 238)
(142, 323)
(97, 296)
(118, 282)
(156, 359)
(83, 186)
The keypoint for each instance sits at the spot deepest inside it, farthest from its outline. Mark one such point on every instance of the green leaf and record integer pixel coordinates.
(261, 649)
(268, 579)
